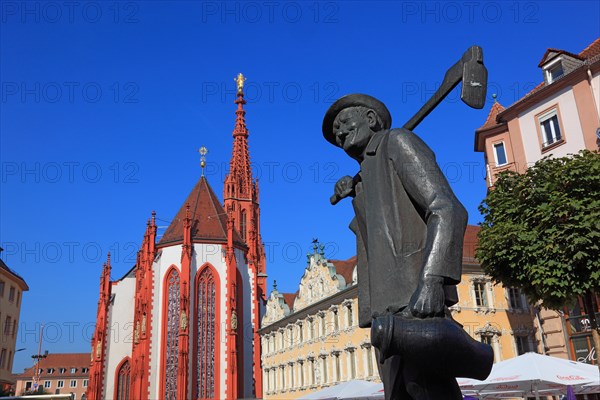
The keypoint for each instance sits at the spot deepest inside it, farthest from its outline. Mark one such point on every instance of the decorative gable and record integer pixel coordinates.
(320, 280)
(276, 308)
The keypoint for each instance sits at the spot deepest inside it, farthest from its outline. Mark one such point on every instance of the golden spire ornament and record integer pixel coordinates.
(203, 151)
(240, 79)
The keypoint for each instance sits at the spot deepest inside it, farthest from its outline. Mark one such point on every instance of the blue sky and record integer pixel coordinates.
(104, 105)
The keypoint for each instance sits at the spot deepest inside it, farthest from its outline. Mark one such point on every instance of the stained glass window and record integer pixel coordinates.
(205, 336)
(172, 347)
(123, 380)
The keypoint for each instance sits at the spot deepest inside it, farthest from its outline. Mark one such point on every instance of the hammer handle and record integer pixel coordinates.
(451, 80)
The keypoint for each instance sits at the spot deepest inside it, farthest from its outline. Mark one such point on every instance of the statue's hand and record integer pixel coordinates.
(428, 299)
(344, 187)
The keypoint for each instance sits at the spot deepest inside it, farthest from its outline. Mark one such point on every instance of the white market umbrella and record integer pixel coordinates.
(531, 374)
(345, 390)
(372, 393)
(589, 388)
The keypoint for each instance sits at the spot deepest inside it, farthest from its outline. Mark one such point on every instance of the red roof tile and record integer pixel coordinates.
(58, 361)
(345, 268)
(470, 243)
(289, 299)
(592, 50)
(209, 220)
(589, 52)
(491, 119)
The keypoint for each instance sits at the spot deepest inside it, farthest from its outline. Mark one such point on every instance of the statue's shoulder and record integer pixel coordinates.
(404, 140)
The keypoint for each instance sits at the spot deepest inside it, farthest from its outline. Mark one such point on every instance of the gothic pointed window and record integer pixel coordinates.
(206, 322)
(173, 307)
(243, 225)
(123, 381)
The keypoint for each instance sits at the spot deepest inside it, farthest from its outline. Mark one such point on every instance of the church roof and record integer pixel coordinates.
(209, 220)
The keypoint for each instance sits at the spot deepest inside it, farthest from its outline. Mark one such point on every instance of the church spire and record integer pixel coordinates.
(238, 183)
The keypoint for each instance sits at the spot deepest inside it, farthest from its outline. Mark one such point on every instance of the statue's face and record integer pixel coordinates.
(352, 131)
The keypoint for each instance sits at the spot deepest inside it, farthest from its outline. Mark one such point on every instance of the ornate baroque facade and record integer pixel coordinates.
(311, 339)
(182, 323)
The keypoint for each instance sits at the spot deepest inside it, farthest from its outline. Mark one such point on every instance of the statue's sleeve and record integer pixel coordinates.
(445, 216)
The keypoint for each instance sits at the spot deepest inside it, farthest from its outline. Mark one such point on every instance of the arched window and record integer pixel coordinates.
(173, 308)
(243, 225)
(123, 381)
(206, 335)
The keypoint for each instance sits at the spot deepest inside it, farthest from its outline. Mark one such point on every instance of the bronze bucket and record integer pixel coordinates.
(434, 344)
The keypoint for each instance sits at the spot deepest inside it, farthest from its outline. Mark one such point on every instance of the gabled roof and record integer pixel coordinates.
(556, 52)
(589, 55)
(57, 361)
(491, 119)
(209, 220)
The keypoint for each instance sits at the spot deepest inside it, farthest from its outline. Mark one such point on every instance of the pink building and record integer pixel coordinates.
(560, 116)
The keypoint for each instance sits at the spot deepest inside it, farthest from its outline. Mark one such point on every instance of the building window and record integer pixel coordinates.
(62, 370)
(60, 384)
(336, 320)
(515, 299)
(300, 333)
(47, 384)
(206, 335)
(84, 370)
(1, 288)
(352, 359)
(550, 128)
(172, 315)
(500, 154)
(311, 327)
(338, 369)
(487, 339)
(7, 325)
(322, 323)
(2, 358)
(291, 335)
(50, 371)
(243, 225)
(73, 383)
(301, 366)
(554, 71)
(523, 345)
(325, 375)
(367, 360)
(85, 383)
(18, 298)
(123, 381)
(350, 316)
(73, 370)
(311, 369)
(11, 294)
(480, 294)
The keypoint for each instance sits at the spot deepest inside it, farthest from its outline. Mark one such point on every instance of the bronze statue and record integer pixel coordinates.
(409, 227)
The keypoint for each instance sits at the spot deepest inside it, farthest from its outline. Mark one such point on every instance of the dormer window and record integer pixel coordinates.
(555, 72)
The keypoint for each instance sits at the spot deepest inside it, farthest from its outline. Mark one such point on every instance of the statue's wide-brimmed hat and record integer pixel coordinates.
(353, 100)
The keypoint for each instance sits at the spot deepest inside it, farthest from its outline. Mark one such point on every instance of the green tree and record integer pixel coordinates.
(541, 232)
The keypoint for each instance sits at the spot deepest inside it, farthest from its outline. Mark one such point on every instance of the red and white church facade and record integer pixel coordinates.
(193, 301)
